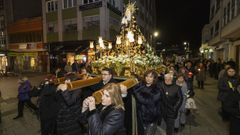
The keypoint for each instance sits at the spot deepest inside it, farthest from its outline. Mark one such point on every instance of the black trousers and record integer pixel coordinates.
(48, 127)
(170, 126)
(234, 126)
(201, 84)
(21, 106)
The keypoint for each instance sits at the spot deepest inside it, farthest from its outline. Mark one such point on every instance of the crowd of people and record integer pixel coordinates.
(161, 97)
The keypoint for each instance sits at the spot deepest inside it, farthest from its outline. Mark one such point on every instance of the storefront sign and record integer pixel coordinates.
(90, 6)
(21, 54)
(22, 46)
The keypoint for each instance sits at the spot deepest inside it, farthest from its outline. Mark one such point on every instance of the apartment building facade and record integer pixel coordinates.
(224, 28)
(69, 25)
(3, 46)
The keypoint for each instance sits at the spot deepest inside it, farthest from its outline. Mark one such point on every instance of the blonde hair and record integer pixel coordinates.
(114, 91)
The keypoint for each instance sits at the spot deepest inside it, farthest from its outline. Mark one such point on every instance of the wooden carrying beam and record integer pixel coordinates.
(129, 83)
(62, 79)
(83, 83)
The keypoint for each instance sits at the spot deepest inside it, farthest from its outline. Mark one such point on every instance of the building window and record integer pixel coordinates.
(233, 9)
(52, 5)
(52, 27)
(70, 25)
(228, 12)
(89, 1)
(216, 28)
(1, 4)
(217, 5)
(211, 32)
(91, 21)
(69, 3)
(224, 16)
(2, 23)
(112, 2)
(212, 12)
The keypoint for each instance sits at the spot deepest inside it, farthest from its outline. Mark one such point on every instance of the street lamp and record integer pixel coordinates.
(155, 34)
(187, 49)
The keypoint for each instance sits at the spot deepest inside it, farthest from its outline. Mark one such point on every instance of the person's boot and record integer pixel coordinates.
(17, 117)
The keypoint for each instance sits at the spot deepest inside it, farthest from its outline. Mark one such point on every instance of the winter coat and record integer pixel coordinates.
(69, 113)
(48, 103)
(200, 74)
(148, 103)
(184, 91)
(232, 103)
(109, 121)
(226, 84)
(172, 98)
(23, 91)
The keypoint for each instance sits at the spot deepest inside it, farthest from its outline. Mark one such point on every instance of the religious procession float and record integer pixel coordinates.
(132, 54)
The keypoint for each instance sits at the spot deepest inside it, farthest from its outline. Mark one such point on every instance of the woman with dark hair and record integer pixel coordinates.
(147, 96)
(108, 119)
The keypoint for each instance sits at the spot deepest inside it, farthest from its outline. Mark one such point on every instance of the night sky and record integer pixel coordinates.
(182, 20)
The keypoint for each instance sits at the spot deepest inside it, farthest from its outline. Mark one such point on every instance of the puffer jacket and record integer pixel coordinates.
(23, 91)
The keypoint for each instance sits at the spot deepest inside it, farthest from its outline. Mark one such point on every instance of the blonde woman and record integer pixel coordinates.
(109, 118)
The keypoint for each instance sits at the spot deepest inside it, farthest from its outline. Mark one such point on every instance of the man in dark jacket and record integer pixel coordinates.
(171, 101)
(48, 108)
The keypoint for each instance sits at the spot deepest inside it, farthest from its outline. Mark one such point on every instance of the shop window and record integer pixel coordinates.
(52, 5)
(69, 3)
(70, 25)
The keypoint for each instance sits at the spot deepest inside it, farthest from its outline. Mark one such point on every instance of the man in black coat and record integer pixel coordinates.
(48, 108)
(171, 101)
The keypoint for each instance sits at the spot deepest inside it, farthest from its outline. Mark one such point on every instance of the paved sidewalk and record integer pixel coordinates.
(28, 125)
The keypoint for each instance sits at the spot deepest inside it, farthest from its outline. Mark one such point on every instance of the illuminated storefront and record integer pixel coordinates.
(3, 63)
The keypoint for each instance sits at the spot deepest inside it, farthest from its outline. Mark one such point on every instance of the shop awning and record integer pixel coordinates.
(69, 46)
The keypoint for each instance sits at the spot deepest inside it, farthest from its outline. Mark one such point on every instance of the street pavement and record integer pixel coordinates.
(204, 121)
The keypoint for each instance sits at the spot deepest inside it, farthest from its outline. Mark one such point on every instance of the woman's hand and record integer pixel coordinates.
(91, 103)
(85, 105)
